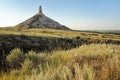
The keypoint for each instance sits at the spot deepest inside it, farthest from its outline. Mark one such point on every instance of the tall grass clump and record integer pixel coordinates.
(15, 58)
(87, 62)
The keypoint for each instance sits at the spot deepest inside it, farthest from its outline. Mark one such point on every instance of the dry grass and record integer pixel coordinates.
(88, 62)
(58, 33)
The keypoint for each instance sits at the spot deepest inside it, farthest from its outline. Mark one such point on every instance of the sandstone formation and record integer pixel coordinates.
(40, 20)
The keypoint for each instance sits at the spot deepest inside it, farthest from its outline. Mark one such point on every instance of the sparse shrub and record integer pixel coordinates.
(77, 37)
(15, 58)
(34, 58)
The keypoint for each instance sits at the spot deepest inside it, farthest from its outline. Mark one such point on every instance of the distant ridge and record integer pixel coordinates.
(41, 21)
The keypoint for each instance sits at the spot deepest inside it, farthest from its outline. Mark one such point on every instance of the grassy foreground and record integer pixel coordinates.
(88, 62)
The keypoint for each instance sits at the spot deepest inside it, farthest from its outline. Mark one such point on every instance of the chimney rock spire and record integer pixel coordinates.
(40, 20)
(40, 9)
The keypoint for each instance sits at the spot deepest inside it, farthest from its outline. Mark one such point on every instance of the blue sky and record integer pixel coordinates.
(76, 14)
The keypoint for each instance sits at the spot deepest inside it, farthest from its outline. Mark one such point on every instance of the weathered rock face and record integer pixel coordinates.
(41, 21)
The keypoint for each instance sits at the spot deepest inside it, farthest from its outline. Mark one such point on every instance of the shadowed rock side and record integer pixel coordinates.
(41, 21)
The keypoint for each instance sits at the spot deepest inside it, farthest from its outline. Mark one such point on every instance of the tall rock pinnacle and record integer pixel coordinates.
(40, 10)
(41, 21)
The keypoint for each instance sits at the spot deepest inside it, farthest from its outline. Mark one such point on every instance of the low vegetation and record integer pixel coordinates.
(38, 32)
(51, 54)
(87, 62)
(42, 44)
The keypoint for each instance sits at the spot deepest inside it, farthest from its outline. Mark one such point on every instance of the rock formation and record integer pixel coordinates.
(41, 21)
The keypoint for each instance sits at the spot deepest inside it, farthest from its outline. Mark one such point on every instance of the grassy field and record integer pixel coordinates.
(58, 33)
(88, 62)
(51, 54)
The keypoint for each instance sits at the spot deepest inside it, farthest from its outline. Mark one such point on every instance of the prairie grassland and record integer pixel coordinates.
(88, 62)
(58, 33)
